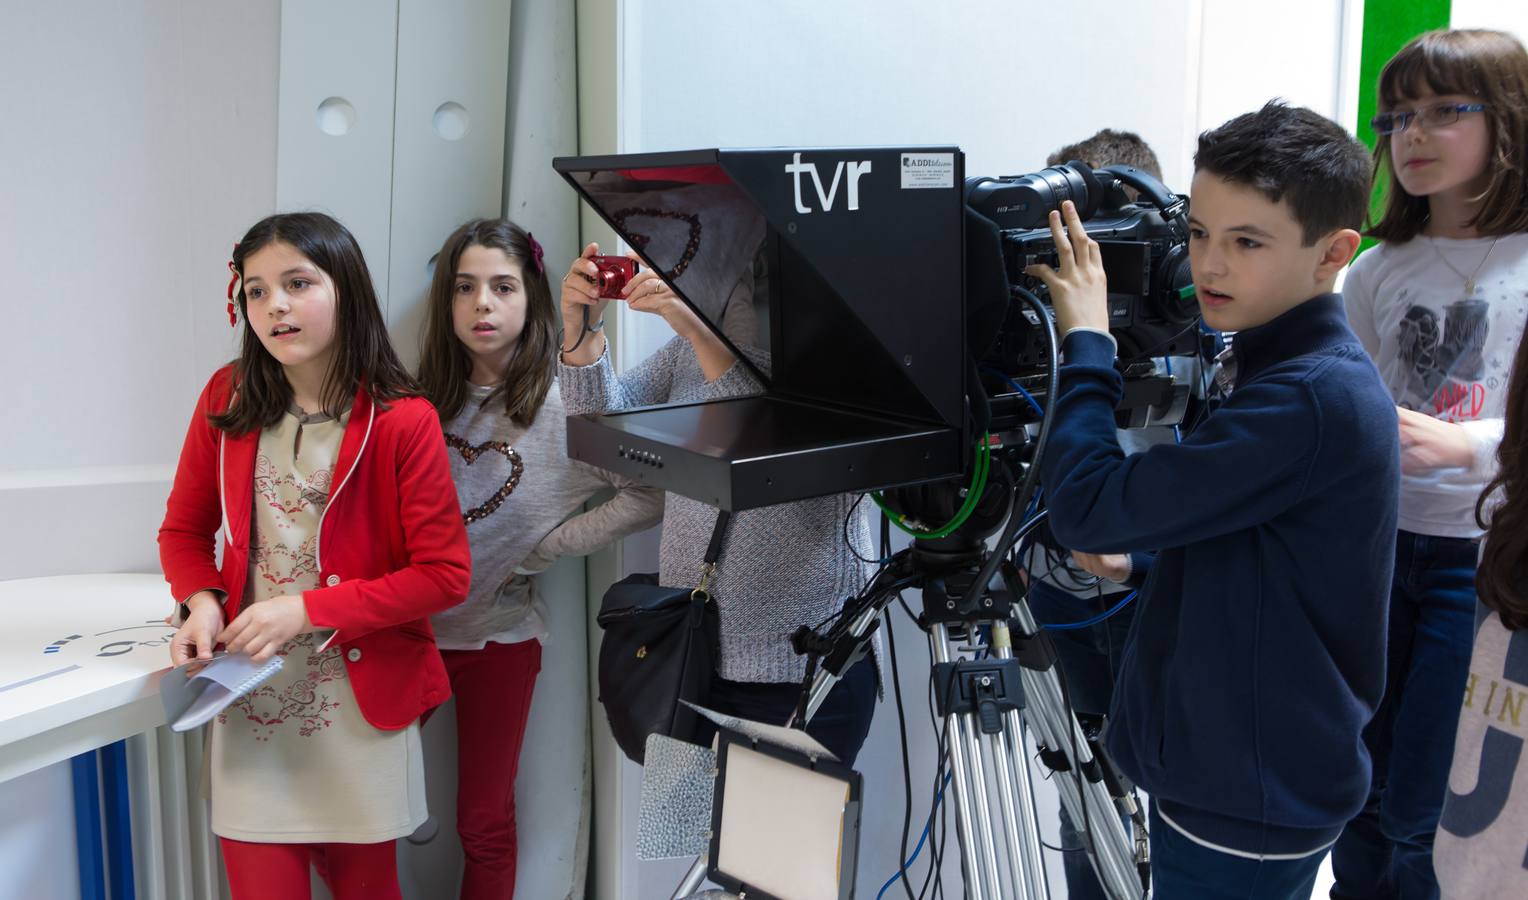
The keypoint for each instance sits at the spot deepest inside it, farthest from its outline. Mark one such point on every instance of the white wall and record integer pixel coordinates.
(139, 144)
(37, 851)
(1502, 15)
(1246, 56)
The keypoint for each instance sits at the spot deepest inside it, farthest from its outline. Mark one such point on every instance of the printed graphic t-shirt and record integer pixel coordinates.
(1481, 849)
(1444, 352)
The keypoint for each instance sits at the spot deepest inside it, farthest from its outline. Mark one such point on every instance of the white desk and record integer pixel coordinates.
(80, 661)
(81, 657)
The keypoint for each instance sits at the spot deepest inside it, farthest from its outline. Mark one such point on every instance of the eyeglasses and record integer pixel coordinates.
(1431, 117)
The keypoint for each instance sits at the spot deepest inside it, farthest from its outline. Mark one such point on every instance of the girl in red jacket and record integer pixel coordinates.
(325, 473)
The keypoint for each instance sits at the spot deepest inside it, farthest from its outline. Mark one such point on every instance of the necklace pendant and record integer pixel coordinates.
(1469, 288)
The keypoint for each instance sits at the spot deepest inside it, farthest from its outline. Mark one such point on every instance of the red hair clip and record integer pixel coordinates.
(233, 291)
(536, 253)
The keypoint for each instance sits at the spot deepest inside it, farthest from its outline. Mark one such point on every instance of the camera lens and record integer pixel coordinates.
(611, 281)
(1026, 201)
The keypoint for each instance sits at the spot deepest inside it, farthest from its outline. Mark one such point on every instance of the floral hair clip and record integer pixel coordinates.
(234, 287)
(537, 253)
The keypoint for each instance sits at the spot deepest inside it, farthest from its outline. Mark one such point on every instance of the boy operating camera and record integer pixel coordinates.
(1258, 650)
(1066, 587)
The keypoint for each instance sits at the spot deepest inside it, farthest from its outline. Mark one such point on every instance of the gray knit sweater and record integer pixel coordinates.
(523, 498)
(782, 567)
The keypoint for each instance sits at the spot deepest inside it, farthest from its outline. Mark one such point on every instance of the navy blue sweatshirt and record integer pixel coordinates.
(1258, 654)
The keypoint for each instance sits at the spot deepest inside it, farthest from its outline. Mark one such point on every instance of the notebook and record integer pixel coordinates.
(196, 691)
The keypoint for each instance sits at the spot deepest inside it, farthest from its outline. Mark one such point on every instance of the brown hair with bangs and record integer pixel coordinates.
(1480, 63)
(443, 362)
(363, 355)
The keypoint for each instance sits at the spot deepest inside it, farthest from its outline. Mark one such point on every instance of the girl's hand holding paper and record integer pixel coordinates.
(262, 628)
(199, 633)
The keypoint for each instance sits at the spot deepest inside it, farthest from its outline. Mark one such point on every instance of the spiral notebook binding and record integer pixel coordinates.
(257, 677)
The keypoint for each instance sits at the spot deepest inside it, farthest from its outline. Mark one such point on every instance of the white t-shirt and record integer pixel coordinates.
(1443, 353)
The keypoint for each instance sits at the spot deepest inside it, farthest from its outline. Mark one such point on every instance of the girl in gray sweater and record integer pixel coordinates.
(781, 566)
(487, 365)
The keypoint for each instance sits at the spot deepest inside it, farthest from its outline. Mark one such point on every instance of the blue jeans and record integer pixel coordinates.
(842, 721)
(1089, 660)
(1387, 850)
(1184, 870)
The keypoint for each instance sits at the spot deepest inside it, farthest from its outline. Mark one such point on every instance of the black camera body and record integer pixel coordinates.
(1143, 243)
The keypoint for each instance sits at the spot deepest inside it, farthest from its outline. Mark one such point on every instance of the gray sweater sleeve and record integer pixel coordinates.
(633, 508)
(596, 388)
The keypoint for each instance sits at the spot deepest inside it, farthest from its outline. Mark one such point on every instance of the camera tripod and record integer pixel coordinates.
(1008, 684)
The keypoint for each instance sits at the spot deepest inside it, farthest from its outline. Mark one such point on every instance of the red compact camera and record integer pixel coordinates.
(614, 274)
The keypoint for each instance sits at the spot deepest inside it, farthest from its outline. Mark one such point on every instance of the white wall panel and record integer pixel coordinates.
(448, 141)
(139, 142)
(344, 52)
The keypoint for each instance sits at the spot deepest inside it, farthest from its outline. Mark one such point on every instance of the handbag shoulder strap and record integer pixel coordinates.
(718, 536)
(713, 553)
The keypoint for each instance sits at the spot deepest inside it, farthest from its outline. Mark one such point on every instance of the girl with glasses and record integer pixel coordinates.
(1440, 306)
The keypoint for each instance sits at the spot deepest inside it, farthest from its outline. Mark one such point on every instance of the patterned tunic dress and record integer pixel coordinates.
(295, 761)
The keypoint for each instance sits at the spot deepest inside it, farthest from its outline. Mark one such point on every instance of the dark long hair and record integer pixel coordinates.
(1501, 581)
(363, 355)
(443, 362)
(1490, 65)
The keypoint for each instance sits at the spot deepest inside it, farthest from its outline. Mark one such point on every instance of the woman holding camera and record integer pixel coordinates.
(781, 566)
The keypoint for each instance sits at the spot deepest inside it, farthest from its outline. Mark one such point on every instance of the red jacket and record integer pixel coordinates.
(391, 546)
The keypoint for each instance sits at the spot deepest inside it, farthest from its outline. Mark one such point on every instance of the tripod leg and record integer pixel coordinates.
(981, 804)
(970, 852)
(693, 879)
(1026, 869)
(1025, 862)
(1109, 847)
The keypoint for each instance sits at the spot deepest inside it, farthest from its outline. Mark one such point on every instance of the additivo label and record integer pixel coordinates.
(928, 170)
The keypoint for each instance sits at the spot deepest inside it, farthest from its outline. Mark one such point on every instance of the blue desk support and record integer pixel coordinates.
(87, 826)
(97, 880)
(119, 820)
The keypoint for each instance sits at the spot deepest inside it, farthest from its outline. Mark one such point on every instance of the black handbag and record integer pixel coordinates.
(660, 647)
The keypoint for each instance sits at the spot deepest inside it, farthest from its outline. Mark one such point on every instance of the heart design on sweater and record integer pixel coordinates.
(470, 453)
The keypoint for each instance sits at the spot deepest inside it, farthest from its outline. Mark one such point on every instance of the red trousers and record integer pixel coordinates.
(493, 689)
(280, 871)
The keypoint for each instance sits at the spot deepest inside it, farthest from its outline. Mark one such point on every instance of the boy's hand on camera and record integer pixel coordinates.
(263, 627)
(1428, 444)
(1109, 566)
(1078, 290)
(199, 633)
